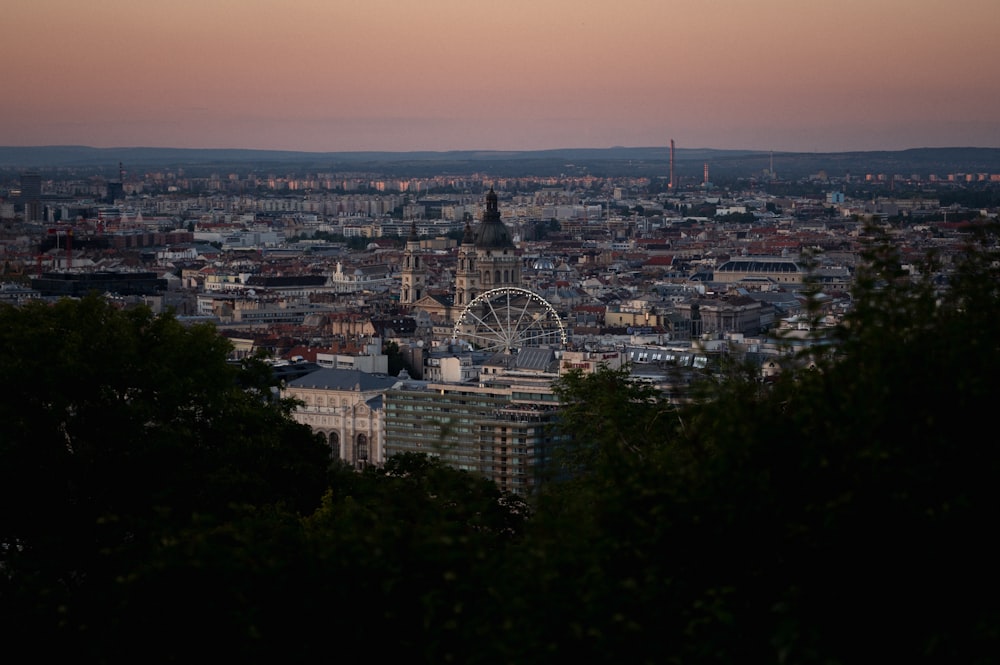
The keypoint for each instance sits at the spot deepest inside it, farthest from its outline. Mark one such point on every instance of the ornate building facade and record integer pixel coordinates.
(345, 406)
(487, 259)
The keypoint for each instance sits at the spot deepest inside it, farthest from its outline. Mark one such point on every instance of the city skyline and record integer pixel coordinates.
(470, 75)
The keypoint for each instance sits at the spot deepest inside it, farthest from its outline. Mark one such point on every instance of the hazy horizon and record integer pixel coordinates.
(443, 75)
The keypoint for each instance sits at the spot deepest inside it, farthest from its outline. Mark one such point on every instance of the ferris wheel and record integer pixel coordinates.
(507, 319)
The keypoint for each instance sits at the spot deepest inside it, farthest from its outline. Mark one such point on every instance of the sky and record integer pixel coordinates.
(407, 75)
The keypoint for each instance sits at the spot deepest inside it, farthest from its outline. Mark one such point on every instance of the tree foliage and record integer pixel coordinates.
(159, 505)
(837, 514)
(609, 416)
(120, 427)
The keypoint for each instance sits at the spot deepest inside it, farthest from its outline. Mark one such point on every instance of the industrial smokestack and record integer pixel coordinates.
(673, 183)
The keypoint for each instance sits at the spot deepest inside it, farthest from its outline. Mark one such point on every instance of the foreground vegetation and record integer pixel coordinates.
(159, 506)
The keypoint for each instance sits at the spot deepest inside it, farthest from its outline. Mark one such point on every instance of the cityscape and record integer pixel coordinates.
(633, 406)
(461, 332)
(479, 290)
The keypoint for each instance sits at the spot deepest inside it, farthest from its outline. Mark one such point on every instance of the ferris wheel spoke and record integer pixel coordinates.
(502, 330)
(480, 321)
(515, 319)
(502, 325)
(524, 310)
(528, 324)
(484, 338)
(492, 336)
(540, 334)
(488, 344)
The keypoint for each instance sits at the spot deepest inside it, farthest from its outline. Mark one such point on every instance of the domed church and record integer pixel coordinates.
(487, 258)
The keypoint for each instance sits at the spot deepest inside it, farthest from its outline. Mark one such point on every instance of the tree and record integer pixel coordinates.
(402, 558)
(836, 515)
(397, 361)
(120, 429)
(854, 477)
(606, 419)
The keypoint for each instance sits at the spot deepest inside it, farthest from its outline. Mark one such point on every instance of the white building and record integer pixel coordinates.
(346, 407)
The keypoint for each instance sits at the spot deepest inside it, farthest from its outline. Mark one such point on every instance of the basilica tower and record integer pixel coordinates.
(414, 274)
(467, 284)
(487, 258)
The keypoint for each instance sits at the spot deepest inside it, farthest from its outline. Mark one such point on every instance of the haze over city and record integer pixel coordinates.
(333, 75)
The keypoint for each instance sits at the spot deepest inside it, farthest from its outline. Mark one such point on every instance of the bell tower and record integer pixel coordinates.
(414, 273)
(466, 275)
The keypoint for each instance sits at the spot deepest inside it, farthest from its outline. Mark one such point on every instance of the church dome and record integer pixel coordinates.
(543, 263)
(492, 232)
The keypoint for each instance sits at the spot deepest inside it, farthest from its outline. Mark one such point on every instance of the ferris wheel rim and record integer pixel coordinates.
(507, 335)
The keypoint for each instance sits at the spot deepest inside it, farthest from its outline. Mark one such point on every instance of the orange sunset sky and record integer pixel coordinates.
(401, 75)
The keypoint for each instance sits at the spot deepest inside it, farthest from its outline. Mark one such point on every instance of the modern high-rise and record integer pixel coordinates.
(31, 196)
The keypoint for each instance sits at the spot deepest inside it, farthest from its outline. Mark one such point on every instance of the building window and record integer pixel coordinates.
(361, 451)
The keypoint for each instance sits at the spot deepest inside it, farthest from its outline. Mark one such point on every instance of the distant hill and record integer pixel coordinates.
(70, 155)
(617, 161)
